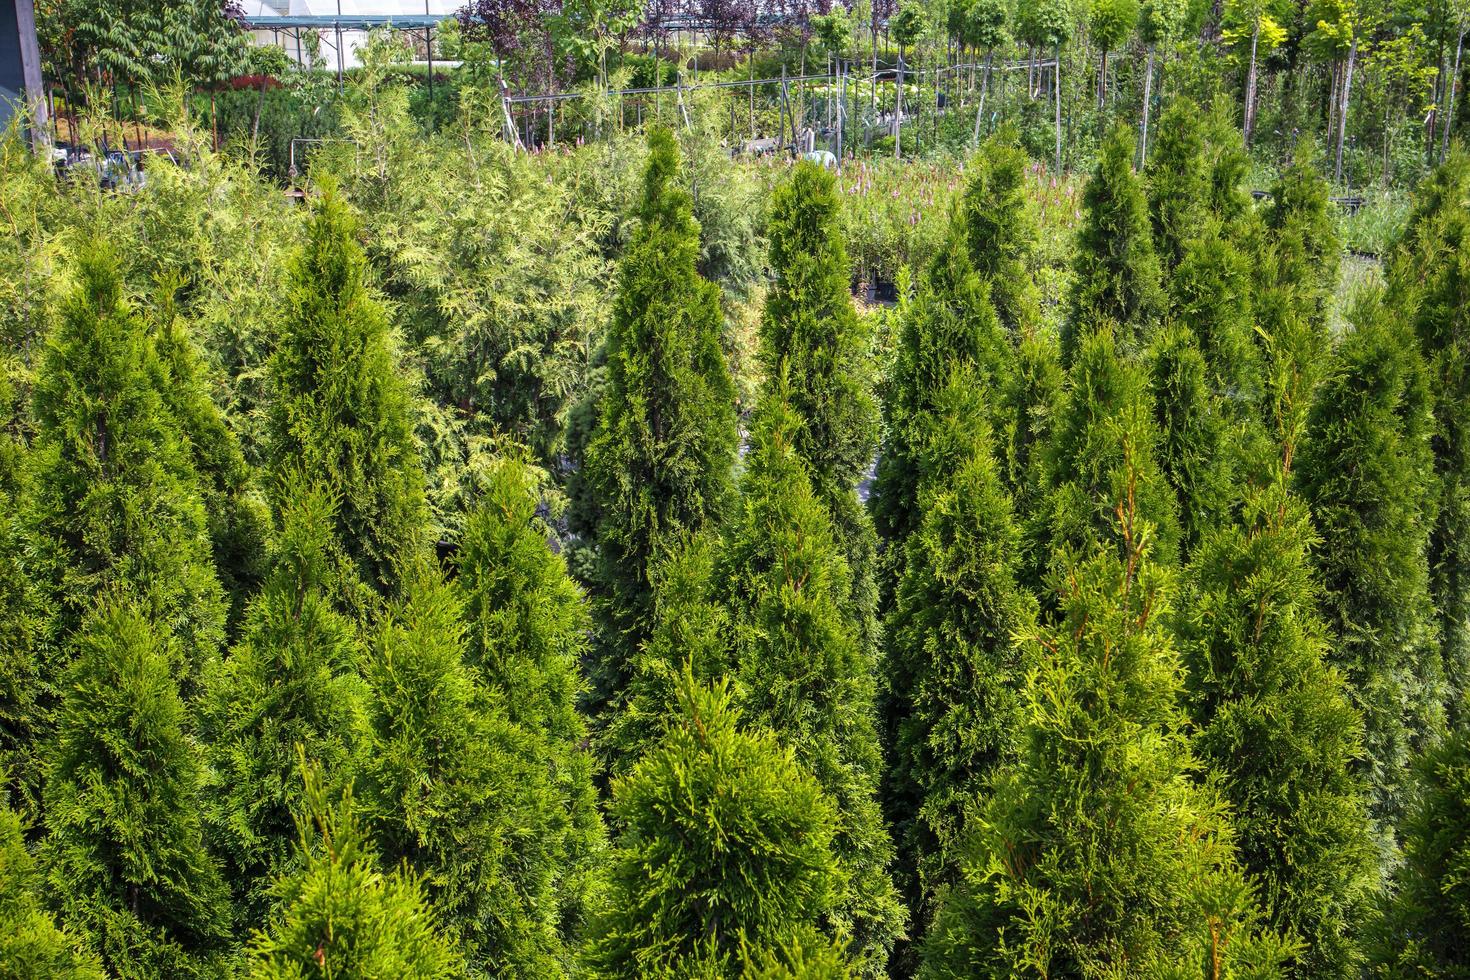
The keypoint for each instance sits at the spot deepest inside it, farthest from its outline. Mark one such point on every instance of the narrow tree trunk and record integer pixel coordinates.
(1148, 85)
(898, 111)
(259, 106)
(1454, 83)
(1250, 85)
(984, 87)
(1347, 92)
(1102, 82)
(1057, 99)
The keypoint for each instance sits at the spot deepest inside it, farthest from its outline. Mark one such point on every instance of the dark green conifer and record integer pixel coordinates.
(1196, 447)
(1210, 293)
(954, 673)
(1367, 469)
(31, 945)
(339, 916)
(1001, 231)
(1299, 271)
(724, 843)
(948, 325)
(124, 857)
(1178, 183)
(1028, 401)
(812, 335)
(455, 790)
(339, 412)
(112, 501)
(1103, 450)
(1277, 727)
(1425, 931)
(660, 461)
(802, 672)
(528, 631)
(289, 689)
(1098, 854)
(1116, 269)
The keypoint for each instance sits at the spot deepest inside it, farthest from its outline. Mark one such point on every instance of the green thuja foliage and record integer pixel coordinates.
(1098, 854)
(812, 335)
(1104, 449)
(1028, 401)
(1178, 183)
(340, 917)
(31, 945)
(1195, 445)
(238, 518)
(1425, 931)
(1299, 271)
(1116, 268)
(659, 463)
(1366, 466)
(807, 955)
(724, 842)
(954, 672)
(1210, 292)
(801, 670)
(949, 324)
(289, 689)
(27, 679)
(528, 632)
(339, 413)
(124, 858)
(1430, 283)
(455, 790)
(1001, 231)
(1277, 728)
(112, 501)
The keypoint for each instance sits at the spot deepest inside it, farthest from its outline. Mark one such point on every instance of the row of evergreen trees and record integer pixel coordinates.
(1146, 657)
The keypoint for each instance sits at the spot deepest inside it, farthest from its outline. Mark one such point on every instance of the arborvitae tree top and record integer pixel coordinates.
(954, 672)
(339, 411)
(1366, 467)
(31, 946)
(1425, 930)
(528, 628)
(1117, 270)
(290, 686)
(1001, 230)
(1029, 400)
(1229, 164)
(801, 671)
(660, 462)
(1276, 725)
(339, 916)
(1178, 182)
(125, 856)
(1303, 235)
(811, 331)
(1098, 852)
(457, 791)
(1210, 293)
(723, 840)
(113, 500)
(1196, 447)
(1104, 449)
(949, 324)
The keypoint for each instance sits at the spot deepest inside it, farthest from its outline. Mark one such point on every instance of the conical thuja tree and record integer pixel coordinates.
(288, 690)
(1177, 181)
(1000, 230)
(1116, 268)
(811, 334)
(954, 672)
(949, 324)
(528, 631)
(1196, 446)
(1425, 930)
(124, 858)
(338, 915)
(1366, 466)
(660, 462)
(1277, 728)
(455, 791)
(1098, 853)
(1103, 449)
(112, 501)
(1027, 404)
(339, 413)
(32, 947)
(238, 518)
(802, 672)
(724, 843)
(1297, 271)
